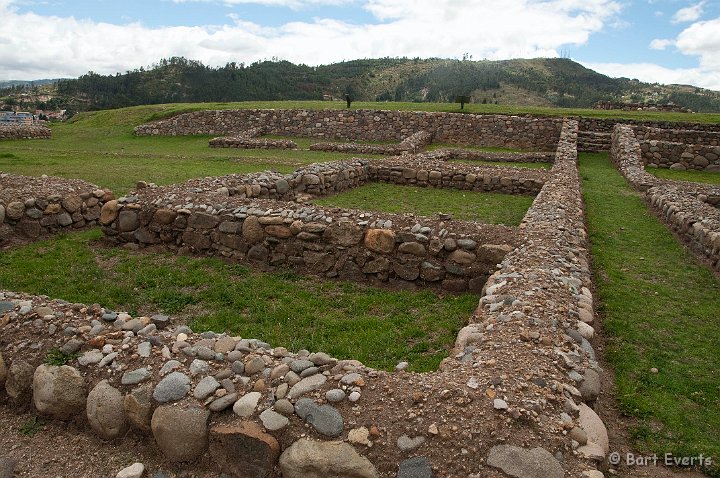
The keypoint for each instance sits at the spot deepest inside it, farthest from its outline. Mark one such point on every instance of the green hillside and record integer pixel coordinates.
(542, 82)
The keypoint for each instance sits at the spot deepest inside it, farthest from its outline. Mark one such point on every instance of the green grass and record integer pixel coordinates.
(692, 176)
(32, 426)
(100, 147)
(376, 326)
(660, 309)
(489, 208)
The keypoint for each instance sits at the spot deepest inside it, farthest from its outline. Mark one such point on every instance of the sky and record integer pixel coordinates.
(657, 41)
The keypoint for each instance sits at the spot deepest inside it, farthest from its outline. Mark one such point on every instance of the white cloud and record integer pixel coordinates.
(494, 29)
(661, 44)
(652, 73)
(294, 4)
(689, 14)
(702, 39)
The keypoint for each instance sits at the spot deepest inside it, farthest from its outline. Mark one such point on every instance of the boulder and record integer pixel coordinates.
(109, 212)
(127, 220)
(416, 467)
(380, 240)
(180, 433)
(105, 411)
(244, 450)
(18, 383)
(138, 407)
(316, 459)
(594, 427)
(252, 231)
(343, 234)
(59, 391)
(525, 463)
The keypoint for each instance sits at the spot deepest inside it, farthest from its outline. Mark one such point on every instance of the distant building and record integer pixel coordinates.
(21, 117)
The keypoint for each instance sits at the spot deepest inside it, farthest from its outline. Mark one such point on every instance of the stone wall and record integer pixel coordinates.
(687, 208)
(449, 154)
(543, 287)
(521, 132)
(697, 222)
(606, 125)
(24, 131)
(251, 139)
(424, 172)
(412, 144)
(687, 136)
(224, 216)
(680, 156)
(31, 207)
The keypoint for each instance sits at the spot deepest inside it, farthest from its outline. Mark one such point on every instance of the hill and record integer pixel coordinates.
(552, 82)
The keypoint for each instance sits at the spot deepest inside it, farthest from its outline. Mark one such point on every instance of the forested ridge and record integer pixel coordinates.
(543, 82)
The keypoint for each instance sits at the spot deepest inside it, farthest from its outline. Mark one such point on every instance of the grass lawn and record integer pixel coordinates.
(660, 309)
(692, 176)
(100, 147)
(488, 208)
(347, 320)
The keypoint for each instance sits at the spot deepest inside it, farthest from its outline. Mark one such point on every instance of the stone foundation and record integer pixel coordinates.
(517, 132)
(681, 156)
(687, 208)
(24, 131)
(33, 207)
(224, 216)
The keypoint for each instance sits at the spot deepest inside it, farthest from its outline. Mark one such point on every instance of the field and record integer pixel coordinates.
(658, 306)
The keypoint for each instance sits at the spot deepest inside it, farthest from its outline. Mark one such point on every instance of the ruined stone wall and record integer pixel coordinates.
(687, 136)
(224, 216)
(412, 144)
(425, 173)
(543, 288)
(687, 208)
(681, 156)
(448, 154)
(24, 131)
(369, 125)
(31, 207)
(606, 125)
(625, 152)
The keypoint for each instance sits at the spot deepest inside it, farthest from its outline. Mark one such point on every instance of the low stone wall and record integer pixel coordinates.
(542, 288)
(349, 245)
(681, 156)
(687, 136)
(251, 143)
(522, 132)
(606, 125)
(412, 144)
(24, 131)
(625, 152)
(697, 222)
(420, 171)
(250, 139)
(687, 208)
(449, 154)
(31, 207)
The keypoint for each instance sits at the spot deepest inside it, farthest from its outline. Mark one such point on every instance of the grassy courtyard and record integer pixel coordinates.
(485, 207)
(376, 326)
